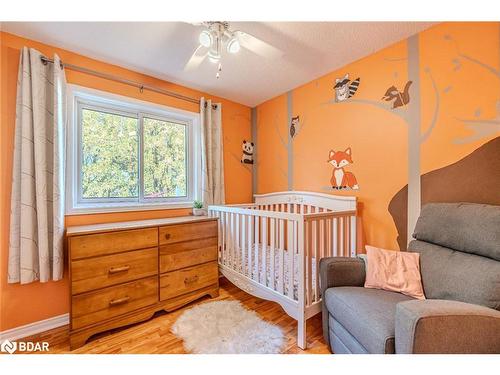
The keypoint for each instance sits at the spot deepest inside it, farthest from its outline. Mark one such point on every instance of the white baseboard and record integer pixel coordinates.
(34, 328)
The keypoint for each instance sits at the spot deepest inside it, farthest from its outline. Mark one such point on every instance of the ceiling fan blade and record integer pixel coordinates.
(258, 46)
(196, 58)
(199, 23)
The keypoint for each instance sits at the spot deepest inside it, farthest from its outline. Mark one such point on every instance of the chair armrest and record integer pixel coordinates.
(338, 271)
(341, 271)
(443, 326)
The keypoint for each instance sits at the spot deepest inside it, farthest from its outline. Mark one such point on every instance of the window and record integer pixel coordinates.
(126, 154)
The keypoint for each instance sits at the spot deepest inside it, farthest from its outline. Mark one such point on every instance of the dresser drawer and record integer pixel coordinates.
(113, 242)
(180, 282)
(93, 307)
(94, 273)
(189, 253)
(187, 232)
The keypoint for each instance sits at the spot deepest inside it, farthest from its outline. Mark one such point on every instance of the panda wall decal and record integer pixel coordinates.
(247, 155)
(345, 88)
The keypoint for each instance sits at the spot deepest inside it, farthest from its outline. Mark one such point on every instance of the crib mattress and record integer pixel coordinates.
(239, 265)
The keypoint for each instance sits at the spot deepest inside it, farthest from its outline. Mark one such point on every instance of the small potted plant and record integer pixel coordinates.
(198, 208)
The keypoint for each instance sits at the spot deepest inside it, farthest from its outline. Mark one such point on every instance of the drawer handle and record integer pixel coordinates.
(190, 280)
(119, 301)
(167, 236)
(119, 269)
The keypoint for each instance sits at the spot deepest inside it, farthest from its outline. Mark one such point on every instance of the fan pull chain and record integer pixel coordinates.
(219, 70)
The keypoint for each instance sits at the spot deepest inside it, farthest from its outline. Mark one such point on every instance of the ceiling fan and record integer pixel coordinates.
(217, 36)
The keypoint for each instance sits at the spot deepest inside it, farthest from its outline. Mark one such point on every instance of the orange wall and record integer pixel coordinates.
(378, 138)
(28, 303)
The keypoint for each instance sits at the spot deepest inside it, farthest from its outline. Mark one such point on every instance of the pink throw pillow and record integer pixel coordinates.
(397, 271)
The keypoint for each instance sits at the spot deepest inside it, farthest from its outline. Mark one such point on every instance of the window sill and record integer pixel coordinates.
(124, 207)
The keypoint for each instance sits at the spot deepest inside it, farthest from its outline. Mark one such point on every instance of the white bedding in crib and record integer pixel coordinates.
(257, 253)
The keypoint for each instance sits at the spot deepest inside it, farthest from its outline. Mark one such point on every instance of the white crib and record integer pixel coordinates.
(271, 248)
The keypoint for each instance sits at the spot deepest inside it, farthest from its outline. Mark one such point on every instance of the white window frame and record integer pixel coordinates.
(80, 97)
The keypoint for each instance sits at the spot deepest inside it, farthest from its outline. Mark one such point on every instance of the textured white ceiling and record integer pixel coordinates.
(161, 49)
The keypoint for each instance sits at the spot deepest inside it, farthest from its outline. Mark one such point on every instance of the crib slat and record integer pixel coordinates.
(291, 254)
(353, 236)
(237, 244)
(232, 240)
(243, 245)
(250, 252)
(272, 230)
(328, 237)
(217, 214)
(222, 238)
(335, 237)
(342, 235)
(256, 249)
(347, 236)
(228, 238)
(310, 247)
(264, 250)
(317, 255)
(281, 241)
(324, 239)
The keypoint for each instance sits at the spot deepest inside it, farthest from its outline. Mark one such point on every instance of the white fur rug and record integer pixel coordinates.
(226, 327)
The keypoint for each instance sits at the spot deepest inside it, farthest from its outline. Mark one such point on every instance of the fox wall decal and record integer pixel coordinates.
(342, 179)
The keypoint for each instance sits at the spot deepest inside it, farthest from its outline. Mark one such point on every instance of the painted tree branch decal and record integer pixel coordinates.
(227, 142)
(283, 144)
(480, 128)
(295, 126)
(471, 59)
(400, 110)
(437, 99)
(408, 109)
(228, 145)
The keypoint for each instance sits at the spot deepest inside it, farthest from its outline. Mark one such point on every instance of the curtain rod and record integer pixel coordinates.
(110, 77)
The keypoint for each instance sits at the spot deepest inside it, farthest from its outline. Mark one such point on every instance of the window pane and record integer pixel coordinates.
(109, 155)
(165, 172)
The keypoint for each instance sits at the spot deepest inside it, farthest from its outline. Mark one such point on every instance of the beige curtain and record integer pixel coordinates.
(212, 153)
(37, 201)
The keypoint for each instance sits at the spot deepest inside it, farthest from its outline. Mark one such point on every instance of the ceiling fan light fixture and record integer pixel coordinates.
(213, 56)
(205, 38)
(233, 45)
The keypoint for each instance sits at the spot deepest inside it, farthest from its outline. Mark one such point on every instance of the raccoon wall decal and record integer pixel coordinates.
(345, 88)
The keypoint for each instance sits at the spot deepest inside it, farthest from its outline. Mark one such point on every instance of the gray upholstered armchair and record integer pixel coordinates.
(459, 246)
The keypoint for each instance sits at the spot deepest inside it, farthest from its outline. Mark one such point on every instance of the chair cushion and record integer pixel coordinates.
(466, 227)
(341, 341)
(367, 314)
(453, 275)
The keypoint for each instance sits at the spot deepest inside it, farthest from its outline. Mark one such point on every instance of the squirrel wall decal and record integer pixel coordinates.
(400, 98)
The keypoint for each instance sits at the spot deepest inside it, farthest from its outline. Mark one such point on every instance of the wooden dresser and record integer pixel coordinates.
(122, 273)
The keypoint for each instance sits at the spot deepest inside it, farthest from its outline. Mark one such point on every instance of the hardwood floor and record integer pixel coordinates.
(154, 336)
